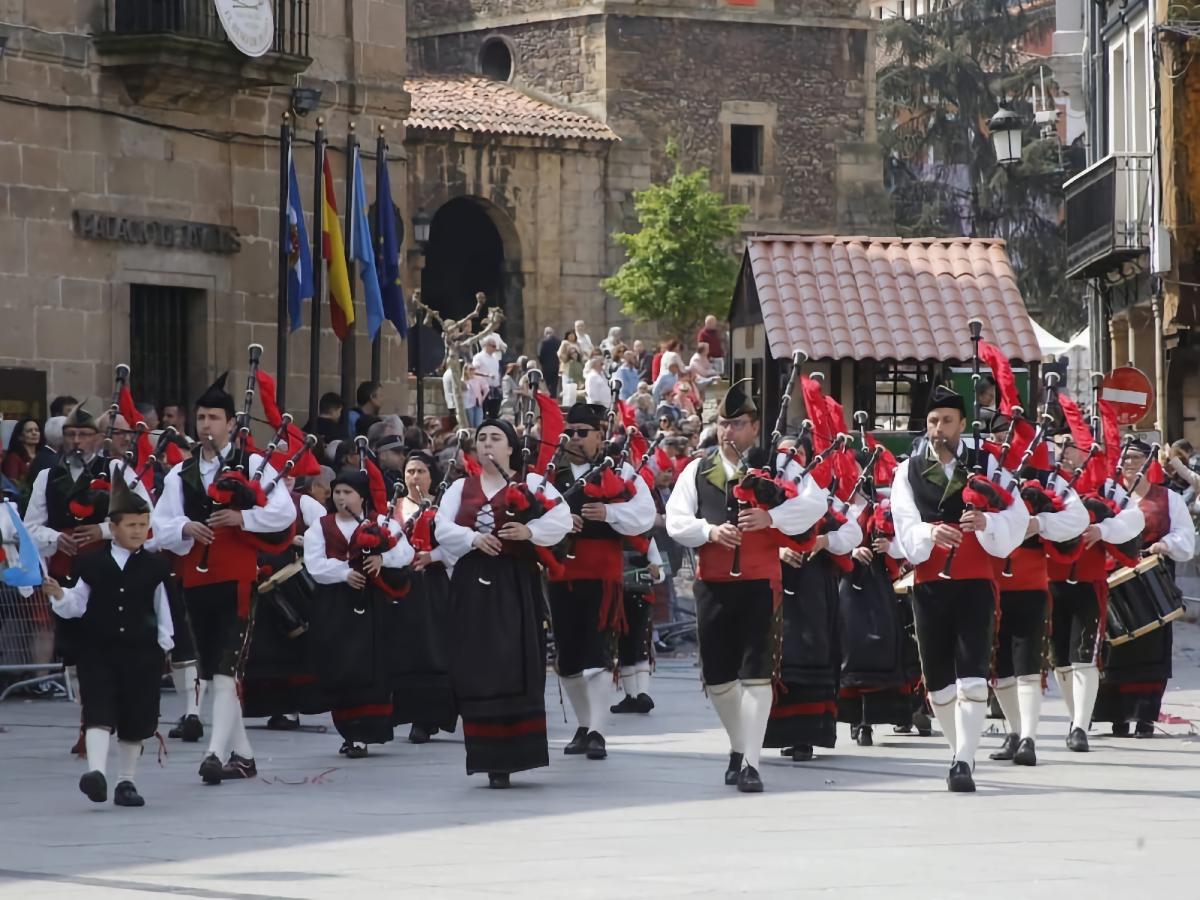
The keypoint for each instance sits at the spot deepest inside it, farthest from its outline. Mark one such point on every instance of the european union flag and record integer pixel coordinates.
(387, 249)
(300, 269)
(362, 252)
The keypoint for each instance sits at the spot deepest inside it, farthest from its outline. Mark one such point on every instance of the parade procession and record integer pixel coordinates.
(467, 447)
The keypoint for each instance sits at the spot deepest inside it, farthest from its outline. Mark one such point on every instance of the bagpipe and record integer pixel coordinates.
(523, 506)
(86, 504)
(371, 537)
(418, 527)
(834, 517)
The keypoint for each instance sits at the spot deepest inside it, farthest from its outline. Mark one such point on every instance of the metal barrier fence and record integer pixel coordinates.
(26, 642)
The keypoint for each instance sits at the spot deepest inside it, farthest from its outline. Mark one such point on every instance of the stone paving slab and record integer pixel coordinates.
(654, 820)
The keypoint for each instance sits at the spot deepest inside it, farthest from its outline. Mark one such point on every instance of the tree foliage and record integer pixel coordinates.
(678, 265)
(943, 76)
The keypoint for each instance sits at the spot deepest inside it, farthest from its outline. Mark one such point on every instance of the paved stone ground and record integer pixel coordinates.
(653, 820)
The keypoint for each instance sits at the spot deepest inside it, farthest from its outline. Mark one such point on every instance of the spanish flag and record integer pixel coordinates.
(341, 307)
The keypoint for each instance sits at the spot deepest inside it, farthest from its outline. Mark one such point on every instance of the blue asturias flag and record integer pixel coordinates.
(362, 252)
(26, 570)
(387, 245)
(300, 269)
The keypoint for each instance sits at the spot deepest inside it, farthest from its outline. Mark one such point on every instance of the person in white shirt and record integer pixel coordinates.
(583, 339)
(487, 361)
(597, 390)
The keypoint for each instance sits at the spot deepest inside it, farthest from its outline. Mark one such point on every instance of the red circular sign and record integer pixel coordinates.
(1130, 392)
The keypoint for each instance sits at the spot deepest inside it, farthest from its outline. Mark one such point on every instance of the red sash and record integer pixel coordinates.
(599, 559)
(970, 562)
(60, 564)
(1028, 571)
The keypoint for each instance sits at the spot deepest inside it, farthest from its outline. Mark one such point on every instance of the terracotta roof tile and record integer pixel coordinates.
(887, 298)
(471, 103)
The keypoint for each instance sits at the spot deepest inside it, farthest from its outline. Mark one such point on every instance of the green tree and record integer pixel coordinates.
(678, 265)
(942, 78)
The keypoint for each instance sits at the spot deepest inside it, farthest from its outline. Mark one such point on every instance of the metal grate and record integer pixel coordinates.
(199, 19)
(158, 343)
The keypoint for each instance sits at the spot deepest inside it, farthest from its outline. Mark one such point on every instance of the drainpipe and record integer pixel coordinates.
(1160, 374)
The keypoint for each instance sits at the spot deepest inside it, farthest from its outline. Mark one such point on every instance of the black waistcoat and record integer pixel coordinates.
(563, 479)
(933, 501)
(61, 489)
(120, 606)
(714, 505)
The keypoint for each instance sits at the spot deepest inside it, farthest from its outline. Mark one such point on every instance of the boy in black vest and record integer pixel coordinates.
(120, 600)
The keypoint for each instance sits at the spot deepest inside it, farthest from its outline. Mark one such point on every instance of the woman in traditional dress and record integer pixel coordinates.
(421, 691)
(497, 634)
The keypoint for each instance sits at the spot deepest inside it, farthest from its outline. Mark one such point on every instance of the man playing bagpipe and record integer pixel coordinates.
(1056, 514)
(1136, 673)
(950, 524)
(215, 515)
(586, 594)
(739, 587)
(804, 714)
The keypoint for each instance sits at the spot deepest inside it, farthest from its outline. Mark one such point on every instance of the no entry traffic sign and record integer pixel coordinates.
(1130, 392)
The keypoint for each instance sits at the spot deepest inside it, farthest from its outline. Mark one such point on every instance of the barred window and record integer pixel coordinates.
(166, 342)
(894, 386)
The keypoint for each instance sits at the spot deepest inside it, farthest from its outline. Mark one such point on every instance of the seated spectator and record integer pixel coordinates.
(667, 379)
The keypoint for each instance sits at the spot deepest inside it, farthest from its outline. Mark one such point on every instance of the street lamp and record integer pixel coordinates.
(1005, 129)
(421, 223)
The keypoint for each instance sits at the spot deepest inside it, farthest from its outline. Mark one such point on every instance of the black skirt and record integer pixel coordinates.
(498, 662)
(419, 652)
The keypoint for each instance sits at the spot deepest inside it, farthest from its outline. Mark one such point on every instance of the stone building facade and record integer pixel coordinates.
(775, 97)
(135, 139)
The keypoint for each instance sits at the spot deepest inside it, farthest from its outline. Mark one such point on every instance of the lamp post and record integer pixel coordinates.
(421, 223)
(1005, 130)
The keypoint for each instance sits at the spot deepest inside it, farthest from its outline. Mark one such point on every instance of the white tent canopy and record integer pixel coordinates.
(1049, 344)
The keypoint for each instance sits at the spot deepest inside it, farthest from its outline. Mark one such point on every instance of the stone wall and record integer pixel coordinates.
(209, 157)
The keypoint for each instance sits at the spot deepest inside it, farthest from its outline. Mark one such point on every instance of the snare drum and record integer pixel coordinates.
(905, 582)
(1141, 599)
(288, 593)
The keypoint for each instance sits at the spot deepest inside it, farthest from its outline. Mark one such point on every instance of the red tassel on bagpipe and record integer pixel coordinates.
(371, 537)
(638, 543)
(81, 510)
(760, 490)
(235, 491)
(1040, 500)
(421, 532)
(881, 522)
(986, 496)
(100, 484)
(612, 488)
(1100, 508)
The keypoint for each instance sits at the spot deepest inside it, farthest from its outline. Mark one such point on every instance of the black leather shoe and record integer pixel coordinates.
(241, 767)
(734, 767)
(418, 734)
(94, 785)
(577, 746)
(283, 723)
(854, 732)
(211, 769)
(802, 753)
(627, 705)
(1026, 755)
(959, 779)
(786, 752)
(1077, 740)
(356, 751)
(595, 746)
(1144, 730)
(190, 729)
(126, 795)
(1120, 729)
(865, 736)
(177, 731)
(923, 724)
(749, 781)
(499, 780)
(902, 729)
(1008, 749)
(644, 703)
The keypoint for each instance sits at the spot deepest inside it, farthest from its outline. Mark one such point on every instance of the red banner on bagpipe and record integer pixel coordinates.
(552, 429)
(1006, 383)
(307, 464)
(145, 446)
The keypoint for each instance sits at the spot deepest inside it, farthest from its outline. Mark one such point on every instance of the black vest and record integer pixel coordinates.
(932, 500)
(563, 479)
(713, 505)
(61, 489)
(120, 607)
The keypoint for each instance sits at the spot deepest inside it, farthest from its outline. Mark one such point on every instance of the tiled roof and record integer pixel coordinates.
(887, 298)
(471, 103)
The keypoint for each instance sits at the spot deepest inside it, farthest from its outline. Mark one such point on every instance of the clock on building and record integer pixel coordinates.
(249, 24)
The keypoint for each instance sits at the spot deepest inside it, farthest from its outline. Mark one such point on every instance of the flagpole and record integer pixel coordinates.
(348, 345)
(282, 325)
(314, 345)
(381, 162)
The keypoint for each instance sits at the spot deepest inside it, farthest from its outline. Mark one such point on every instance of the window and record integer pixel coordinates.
(166, 341)
(1129, 90)
(894, 387)
(746, 149)
(495, 59)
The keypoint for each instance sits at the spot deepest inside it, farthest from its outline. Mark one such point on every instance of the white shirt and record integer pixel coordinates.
(1067, 524)
(1181, 539)
(488, 366)
(632, 517)
(448, 390)
(169, 518)
(326, 570)
(849, 535)
(597, 389)
(37, 514)
(408, 509)
(794, 516)
(584, 343)
(546, 530)
(1003, 533)
(74, 601)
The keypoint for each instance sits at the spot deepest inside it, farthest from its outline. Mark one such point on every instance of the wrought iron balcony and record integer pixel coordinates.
(162, 46)
(1108, 214)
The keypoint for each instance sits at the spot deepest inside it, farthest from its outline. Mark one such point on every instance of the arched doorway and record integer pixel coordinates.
(472, 247)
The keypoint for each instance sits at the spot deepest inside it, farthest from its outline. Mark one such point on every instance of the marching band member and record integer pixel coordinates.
(955, 599)
(1136, 674)
(120, 602)
(217, 596)
(735, 615)
(586, 597)
(498, 664)
(634, 646)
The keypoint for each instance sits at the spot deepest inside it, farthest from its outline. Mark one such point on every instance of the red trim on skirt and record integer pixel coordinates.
(490, 730)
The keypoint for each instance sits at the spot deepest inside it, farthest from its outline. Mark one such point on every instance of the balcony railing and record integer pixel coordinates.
(1108, 214)
(198, 19)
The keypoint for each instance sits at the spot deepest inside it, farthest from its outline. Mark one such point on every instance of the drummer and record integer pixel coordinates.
(1136, 674)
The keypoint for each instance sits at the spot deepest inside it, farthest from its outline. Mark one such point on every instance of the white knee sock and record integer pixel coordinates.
(756, 710)
(943, 702)
(186, 680)
(1006, 694)
(598, 683)
(127, 754)
(970, 712)
(225, 715)
(96, 741)
(1029, 699)
(1085, 681)
(629, 681)
(643, 677)
(1063, 677)
(727, 701)
(577, 695)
